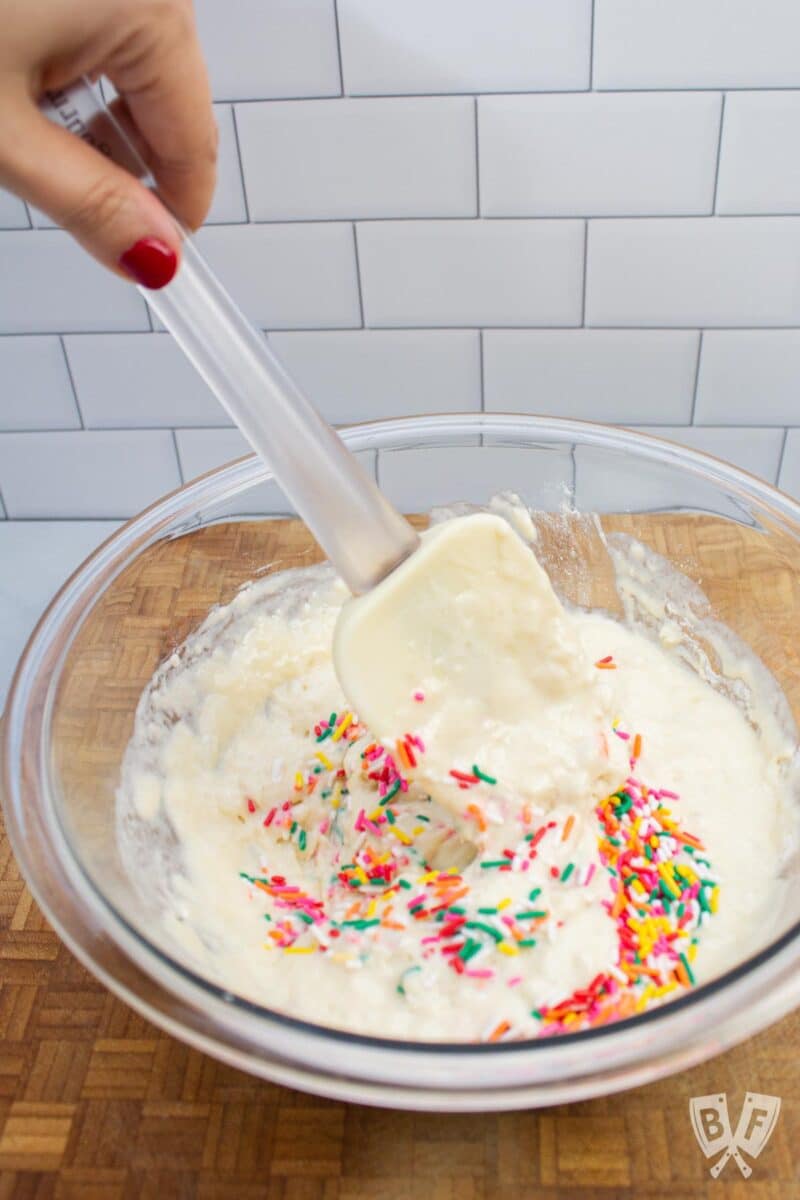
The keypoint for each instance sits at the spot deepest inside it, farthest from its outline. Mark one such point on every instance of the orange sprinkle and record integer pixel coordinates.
(391, 924)
(352, 910)
(478, 816)
(527, 815)
(681, 976)
(402, 754)
(619, 903)
(637, 746)
(605, 664)
(499, 1030)
(568, 827)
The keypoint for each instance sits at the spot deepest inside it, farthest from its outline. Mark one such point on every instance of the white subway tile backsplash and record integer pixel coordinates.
(35, 390)
(406, 157)
(85, 474)
(418, 479)
(365, 374)
(471, 272)
(694, 271)
(13, 214)
(749, 377)
(132, 380)
(257, 50)
(228, 205)
(598, 155)
(286, 276)
(592, 374)
(48, 284)
(755, 450)
(464, 45)
(696, 43)
(789, 478)
(759, 169)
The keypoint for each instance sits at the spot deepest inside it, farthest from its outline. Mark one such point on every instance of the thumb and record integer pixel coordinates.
(110, 213)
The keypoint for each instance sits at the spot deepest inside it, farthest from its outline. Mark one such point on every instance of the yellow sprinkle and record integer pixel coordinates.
(713, 903)
(401, 837)
(417, 830)
(654, 842)
(371, 908)
(335, 798)
(504, 903)
(300, 949)
(507, 948)
(326, 762)
(389, 895)
(570, 1018)
(298, 782)
(691, 953)
(361, 875)
(346, 721)
(450, 871)
(383, 858)
(375, 814)
(428, 877)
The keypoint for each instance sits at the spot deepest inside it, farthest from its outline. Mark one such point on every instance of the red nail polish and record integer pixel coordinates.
(151, 262)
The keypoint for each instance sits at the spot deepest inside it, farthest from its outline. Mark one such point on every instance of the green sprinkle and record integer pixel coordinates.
(536, 892)
(681, 909)
(390, 817)
(686, 966)
(294, 826)
(459, 912)
(469, 950)
(488, 912)
(392, 792)
(422, 817)
(332, 720)
(484, 928)
(629, 879)
(538, 1015)
(568, 869)
(530, 914)
(525, 942)
(482, 775)
(648, 852)
(360, 923)
(667, 892)
(301, 841)
(326, 733)
(497, 862)
(615, 841)
(267, 917)
(408, 971)
(305, 917)
(405, 884)
(528, 837)
(417, 907)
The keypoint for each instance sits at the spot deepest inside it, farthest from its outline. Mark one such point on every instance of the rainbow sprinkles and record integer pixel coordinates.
(397, 895)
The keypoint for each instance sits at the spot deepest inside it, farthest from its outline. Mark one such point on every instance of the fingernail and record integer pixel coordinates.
(151, 262)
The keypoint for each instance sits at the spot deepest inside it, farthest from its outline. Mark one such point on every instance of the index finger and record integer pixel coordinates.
(161, 75)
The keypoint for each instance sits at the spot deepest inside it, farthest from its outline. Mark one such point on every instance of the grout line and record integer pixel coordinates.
(71, 378)
(781, 456)
(696, 377)
(697, 215)
(241, 164)
(719, 154)
(574, 91)
(477, 163)
(177, 455)
(3, 510)
(541, 327)
(358, 275)
(338, 44)
(481, 366)
(585, 271)
(591, 50)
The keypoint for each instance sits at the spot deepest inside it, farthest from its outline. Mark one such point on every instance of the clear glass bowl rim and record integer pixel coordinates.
(743, 1000)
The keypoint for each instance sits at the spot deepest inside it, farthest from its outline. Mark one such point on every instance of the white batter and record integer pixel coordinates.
(318, 878)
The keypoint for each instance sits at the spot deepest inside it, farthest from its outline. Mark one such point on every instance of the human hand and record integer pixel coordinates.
(150, 52)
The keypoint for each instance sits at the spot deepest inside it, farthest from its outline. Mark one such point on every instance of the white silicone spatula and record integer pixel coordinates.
(460, 621)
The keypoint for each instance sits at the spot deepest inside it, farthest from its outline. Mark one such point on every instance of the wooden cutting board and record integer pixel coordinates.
(97, 1104)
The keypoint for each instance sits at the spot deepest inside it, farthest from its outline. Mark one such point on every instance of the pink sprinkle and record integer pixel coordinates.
(324, 826)
(417, 741)
(626, 737)
(358, 825)
(480, 974)
(589, 875)
(251, 805)
(420, 696)
(513, 982)
(669, 795)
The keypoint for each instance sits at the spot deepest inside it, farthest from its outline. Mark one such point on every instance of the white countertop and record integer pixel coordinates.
(35, 559)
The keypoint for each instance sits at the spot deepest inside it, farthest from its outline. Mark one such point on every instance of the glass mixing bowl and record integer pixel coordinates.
(73, 701)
